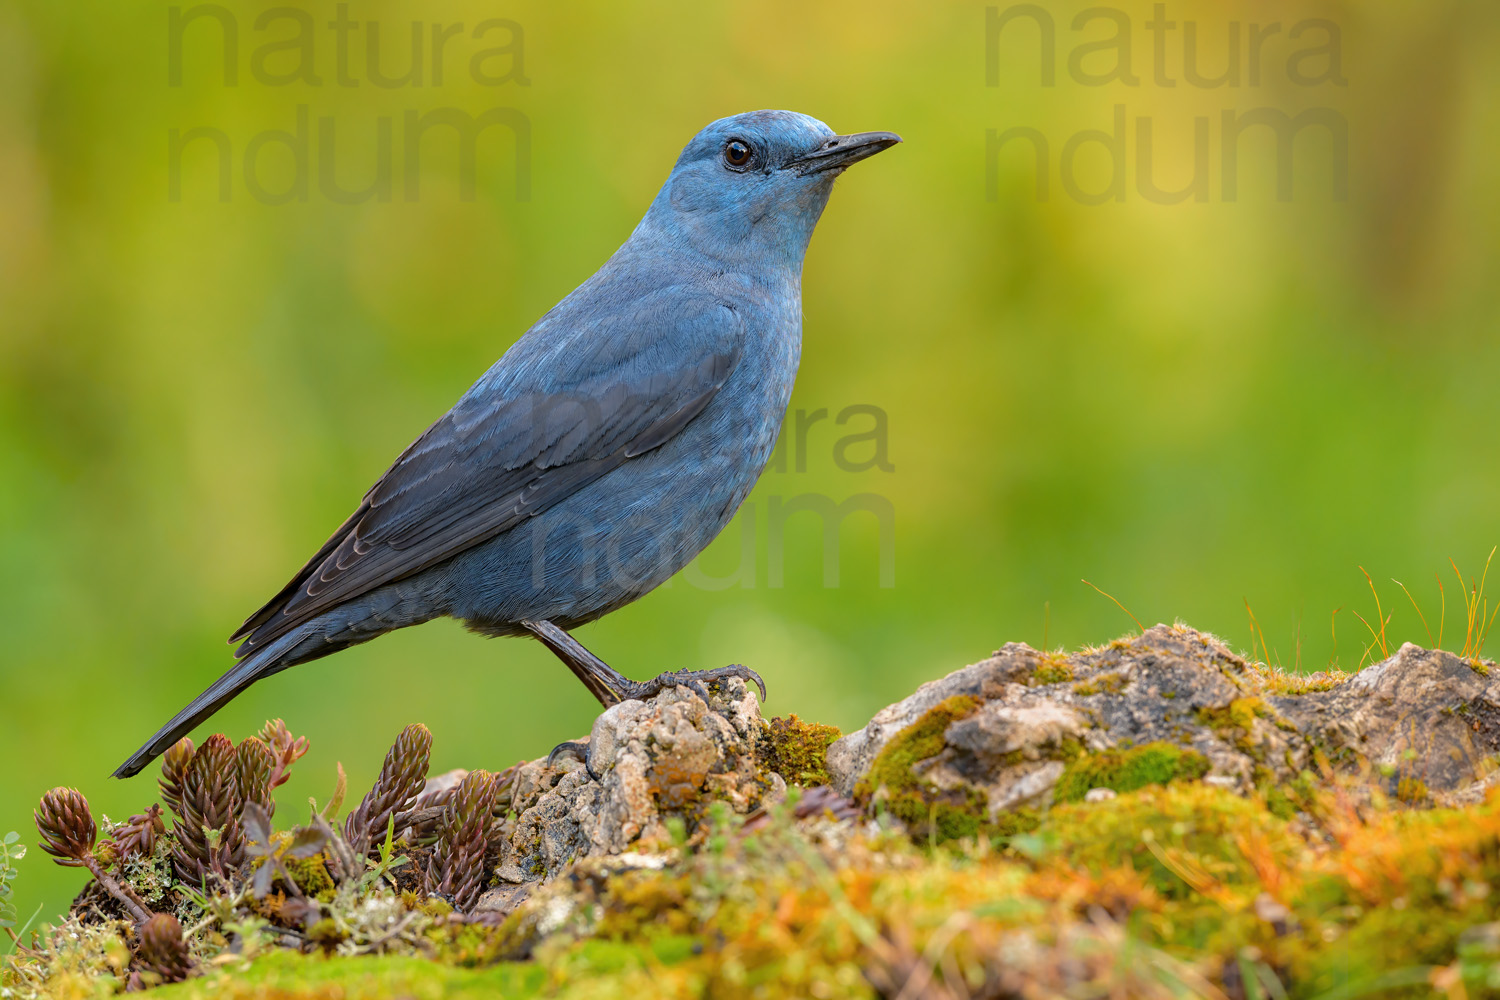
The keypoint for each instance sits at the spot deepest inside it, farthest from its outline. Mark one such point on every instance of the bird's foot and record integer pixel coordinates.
(693, 680)
(579, 751)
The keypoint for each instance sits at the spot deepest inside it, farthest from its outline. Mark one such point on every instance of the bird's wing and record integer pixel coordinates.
(517, 444)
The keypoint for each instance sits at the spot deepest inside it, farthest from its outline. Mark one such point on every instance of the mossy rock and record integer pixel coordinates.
(1127, 770)
(922, 740)
(931, 814)
(1323, 878)
(797, 750)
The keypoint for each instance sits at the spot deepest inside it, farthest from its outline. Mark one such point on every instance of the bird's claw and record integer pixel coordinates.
(579, 750)
(694, 681)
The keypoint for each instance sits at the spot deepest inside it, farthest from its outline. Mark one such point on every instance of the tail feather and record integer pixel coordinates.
(261, 663)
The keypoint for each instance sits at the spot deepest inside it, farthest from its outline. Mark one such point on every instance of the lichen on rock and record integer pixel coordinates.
(1169, 704)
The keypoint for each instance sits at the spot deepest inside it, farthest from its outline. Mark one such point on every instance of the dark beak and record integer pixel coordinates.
(844, 150)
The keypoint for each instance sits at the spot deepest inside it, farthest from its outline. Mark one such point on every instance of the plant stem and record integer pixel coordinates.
(131, 902)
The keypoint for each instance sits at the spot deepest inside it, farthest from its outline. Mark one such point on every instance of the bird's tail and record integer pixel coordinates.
(260, 663)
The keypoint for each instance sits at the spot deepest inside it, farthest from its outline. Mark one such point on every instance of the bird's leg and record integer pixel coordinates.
(610, 686)
(603, 681)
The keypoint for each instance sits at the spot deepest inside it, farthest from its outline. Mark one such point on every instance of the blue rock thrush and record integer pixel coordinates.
(607, 447)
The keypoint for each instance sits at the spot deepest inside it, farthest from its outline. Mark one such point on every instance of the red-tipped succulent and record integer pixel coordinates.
(68, 834)
(67, 826)
(286, 748)
(463, 838)
(253, 764)
(209, 839)
(174, 765)
(137, 836)
(395, 790)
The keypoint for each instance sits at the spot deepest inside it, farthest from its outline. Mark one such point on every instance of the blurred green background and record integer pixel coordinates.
(1189, 404)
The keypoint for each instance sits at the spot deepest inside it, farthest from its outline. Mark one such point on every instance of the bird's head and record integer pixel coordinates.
(751, 187)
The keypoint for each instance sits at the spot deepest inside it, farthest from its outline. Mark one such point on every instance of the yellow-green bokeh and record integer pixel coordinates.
(1191, 405)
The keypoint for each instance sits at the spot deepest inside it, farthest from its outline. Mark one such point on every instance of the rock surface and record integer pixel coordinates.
(1015, 733)
(1424, 715)
(660, 760)
(1426, 724)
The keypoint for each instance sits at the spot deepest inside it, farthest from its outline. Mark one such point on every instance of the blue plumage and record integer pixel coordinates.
(606, 448)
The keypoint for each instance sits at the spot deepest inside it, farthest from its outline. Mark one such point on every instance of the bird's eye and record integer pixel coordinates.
(736, 153)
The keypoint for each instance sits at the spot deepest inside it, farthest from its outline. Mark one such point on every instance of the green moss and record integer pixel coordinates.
(945, 820)
(1414, 891)
(1479, 667)
(311, 876)
(642, 901)
(1014, 822)
(1117, 894)
(797, 750)
(1279, 803)
(1357, 895)
(1168, 832)
(1069, 749)
(1284, 799)
(1243, 712)
(919, 741)
(1274, 680)
(930, 814)
(1110, 683)
(1051, 670)
(289, 975)
(1235, 722)
(1128, 770)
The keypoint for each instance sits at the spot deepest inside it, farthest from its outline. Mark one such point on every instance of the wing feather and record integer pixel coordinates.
(500, 457)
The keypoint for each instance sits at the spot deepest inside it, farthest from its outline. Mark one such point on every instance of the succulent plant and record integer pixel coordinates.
(173, 767)
(136, 836)
(108, 853)
(253, 764)
(436, 790)
(395, 791)
(208, 830)
(221, 796)
(67, 826)
(68, 834)
(463, 838)
(163, 949)
(285, 748)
